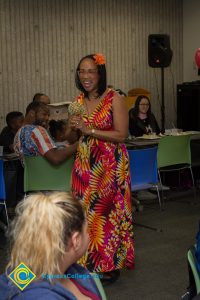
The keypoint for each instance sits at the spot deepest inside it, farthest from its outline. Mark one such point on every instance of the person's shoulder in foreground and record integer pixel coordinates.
(49, 235)
(43, 289)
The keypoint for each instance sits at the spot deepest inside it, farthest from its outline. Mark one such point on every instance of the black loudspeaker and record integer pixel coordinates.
(159, 52)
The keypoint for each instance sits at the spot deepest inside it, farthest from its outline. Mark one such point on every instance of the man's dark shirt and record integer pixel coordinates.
(6, 139)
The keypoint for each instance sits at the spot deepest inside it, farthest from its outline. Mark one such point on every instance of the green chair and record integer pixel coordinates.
(99, 285)
(193, 266)
(41, 175)
(174, 155)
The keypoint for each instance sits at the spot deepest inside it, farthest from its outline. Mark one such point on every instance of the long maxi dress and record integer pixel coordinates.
(101, 181)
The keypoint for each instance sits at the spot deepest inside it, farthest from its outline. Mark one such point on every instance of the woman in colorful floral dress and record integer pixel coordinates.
(100, 177)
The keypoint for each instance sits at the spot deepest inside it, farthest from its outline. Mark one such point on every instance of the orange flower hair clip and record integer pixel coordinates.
(99, 59)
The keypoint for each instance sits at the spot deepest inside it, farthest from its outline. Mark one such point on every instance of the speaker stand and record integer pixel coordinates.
(162, 101)
(148, 227)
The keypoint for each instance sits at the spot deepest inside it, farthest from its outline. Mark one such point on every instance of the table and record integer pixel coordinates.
(154, 140)
(140, 142)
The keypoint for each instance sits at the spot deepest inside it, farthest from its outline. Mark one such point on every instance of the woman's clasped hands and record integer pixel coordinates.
(76, 123)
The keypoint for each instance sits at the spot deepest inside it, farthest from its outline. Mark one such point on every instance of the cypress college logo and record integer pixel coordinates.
(22, 276)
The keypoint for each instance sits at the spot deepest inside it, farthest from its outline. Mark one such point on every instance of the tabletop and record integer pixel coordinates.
(9, 156)
(152, 140)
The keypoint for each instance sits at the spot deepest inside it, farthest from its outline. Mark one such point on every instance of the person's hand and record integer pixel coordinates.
(74, 121)
(82, 127)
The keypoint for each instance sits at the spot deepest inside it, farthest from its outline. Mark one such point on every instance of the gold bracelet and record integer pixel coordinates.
(92, 131)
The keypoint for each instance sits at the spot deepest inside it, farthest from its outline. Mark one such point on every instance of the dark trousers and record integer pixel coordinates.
(14, 181)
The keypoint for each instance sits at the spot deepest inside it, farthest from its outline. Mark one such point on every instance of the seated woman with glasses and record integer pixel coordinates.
(141, 119)
(49, 234)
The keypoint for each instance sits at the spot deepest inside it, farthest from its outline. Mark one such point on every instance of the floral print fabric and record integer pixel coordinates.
(101, 181)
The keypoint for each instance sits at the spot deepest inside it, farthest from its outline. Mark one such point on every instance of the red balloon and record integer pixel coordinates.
(197, 57)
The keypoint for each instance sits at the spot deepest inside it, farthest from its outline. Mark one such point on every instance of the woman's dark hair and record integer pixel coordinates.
(102, 85)
(55, 126)
(121, 92)
(135, 110)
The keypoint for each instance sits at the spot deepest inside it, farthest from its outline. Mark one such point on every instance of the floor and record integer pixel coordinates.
(160, 266)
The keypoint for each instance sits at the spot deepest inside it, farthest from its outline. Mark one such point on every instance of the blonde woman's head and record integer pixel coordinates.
(41, 231)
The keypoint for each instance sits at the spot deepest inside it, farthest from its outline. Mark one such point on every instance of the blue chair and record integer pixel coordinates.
(3, 190)
(143, 169)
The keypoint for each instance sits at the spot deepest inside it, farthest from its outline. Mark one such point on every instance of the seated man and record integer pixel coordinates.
(14, 120)
(33, 139)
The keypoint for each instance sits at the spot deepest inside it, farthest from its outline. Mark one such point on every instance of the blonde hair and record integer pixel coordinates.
(41, 230)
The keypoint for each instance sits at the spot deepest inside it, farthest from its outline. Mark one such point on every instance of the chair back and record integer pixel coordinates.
(99, 285)
(174, 150)
(193, 265)
(138, 91)
(41, 175)
(133, 94)
(2, 182)
(143, 167)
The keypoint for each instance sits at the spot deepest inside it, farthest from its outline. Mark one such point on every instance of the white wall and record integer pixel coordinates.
(41, 42)
(191, 38)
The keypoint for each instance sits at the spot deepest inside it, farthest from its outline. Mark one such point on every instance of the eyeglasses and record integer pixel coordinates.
(90, 71)
(144, 104)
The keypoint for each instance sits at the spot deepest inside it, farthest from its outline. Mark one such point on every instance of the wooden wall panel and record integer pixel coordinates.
(41, 42)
